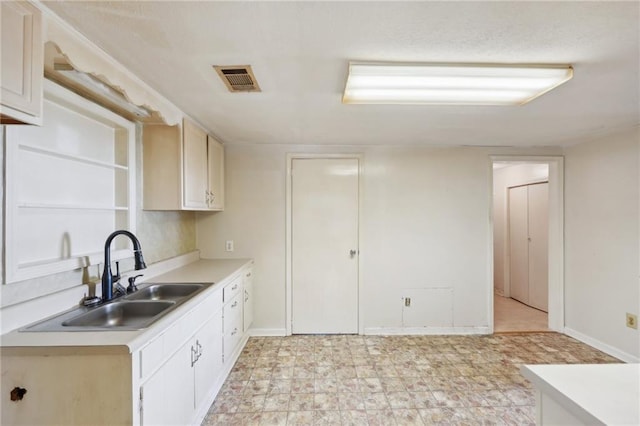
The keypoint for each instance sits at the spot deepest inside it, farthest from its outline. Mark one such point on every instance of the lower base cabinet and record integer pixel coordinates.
(183, 383)
(170, 380)
(208, 366)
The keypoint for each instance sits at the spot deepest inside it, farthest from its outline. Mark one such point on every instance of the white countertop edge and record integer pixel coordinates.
(546, 379)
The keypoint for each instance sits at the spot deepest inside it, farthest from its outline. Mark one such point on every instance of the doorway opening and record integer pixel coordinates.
(527, 245)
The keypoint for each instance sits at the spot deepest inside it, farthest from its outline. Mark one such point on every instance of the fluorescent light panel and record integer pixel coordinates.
(450, 84)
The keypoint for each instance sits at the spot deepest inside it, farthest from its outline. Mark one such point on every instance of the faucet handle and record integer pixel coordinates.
(116, 277)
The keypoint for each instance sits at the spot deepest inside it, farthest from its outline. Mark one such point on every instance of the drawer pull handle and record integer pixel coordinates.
(234, 287)
(235, 330)
(234, 304)
(249, 274)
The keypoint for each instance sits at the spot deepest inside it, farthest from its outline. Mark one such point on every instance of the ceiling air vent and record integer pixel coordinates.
(238, 78)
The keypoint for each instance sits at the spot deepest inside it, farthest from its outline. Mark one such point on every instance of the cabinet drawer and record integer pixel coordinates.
(232, 323)
(183, 328)
(233, 288)
(233, 314)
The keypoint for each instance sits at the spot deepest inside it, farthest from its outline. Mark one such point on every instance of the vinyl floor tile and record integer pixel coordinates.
(390, 380)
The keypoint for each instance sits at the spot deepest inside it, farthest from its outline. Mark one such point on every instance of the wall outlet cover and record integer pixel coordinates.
(632, 321)
(229, 245)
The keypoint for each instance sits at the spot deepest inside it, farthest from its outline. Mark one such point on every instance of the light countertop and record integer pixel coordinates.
(218, 271)
(595, 393)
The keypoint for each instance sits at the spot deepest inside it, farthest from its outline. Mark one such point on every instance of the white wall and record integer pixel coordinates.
(503, 179)
(601, 242)
(425, 224)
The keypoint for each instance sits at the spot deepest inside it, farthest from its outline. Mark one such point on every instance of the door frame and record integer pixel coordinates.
(288, 232)
(556, 236)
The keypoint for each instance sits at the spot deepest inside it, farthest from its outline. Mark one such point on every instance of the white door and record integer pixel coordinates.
(538, 246)
(324, 221)
(528, 244)
(518, 244)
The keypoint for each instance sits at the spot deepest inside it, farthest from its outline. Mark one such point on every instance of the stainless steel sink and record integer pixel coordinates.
(165, 292)
(134, 314)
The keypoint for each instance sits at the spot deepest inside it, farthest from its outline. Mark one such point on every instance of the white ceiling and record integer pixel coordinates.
(300, 51)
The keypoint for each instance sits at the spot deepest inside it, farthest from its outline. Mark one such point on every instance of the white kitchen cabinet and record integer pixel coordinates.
(167, 374)
(208, 366)
(196, 185)
(183, 168)
(180, 387)
(21, 62)
(215, 152)
(168, 397)
(247, 309)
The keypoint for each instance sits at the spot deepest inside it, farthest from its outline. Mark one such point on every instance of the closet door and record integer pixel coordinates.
(538, 246)
(519, 244)
(528, 244)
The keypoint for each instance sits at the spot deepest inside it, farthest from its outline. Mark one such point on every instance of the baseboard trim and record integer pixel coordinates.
(266, 332)
(604, 347)
(424, 331)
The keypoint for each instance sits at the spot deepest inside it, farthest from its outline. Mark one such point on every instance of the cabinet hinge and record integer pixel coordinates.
(141, 404)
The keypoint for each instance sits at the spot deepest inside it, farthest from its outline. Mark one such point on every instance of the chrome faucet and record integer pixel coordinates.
(107, 278)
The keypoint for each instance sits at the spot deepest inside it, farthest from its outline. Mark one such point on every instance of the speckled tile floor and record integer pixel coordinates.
(390, 380)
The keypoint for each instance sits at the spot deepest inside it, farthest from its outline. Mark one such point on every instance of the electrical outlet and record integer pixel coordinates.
(229, 245)
(632, 321)
(407, 302)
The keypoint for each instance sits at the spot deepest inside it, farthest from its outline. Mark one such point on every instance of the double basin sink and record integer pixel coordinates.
(135, 311)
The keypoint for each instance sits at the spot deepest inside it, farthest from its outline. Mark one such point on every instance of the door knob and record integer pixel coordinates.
(352, 253)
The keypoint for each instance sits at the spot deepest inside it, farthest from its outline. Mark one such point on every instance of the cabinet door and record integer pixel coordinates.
(195, 166)
(209, 364)
(247, 309)
(216, 174)
(21, 62)
(153, 401)
(168, 396)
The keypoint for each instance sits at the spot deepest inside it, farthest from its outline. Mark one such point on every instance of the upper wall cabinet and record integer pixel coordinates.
(21, 63)
(183, 168)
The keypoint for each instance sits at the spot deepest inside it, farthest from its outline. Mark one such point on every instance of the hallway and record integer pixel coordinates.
(509, 315)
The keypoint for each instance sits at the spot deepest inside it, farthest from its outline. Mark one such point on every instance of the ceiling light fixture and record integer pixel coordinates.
(450, 84)
(101, 89)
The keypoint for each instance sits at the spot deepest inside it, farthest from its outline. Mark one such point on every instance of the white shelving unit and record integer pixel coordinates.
(70, 183)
